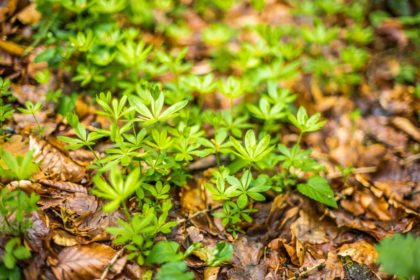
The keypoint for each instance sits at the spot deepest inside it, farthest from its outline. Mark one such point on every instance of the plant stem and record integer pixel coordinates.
(126, 211)
(37, 123)
(299, 138)
(217, 160)
(94, 153)
(231, 107)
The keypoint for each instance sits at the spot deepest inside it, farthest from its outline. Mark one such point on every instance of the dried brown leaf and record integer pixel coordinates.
(29, 15)
(64, 186)
(309, 229)
(11, 48)
(54, 164)
(63, 238)
(84, 262)
(407, 126)
(360, 251)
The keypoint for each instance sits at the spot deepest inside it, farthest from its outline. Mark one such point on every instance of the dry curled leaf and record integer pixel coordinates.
(63, 238)
(360, 251)
(64, 186)
(29, 15)
(11, 48)
(54, 164)
(85, 262)
(308, 229)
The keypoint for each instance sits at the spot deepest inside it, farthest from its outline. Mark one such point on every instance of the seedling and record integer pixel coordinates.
(17, 167)
(32, 109)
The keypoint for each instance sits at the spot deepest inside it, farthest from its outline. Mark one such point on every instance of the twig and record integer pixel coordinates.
(305, 272)
(197, 214)
(111, 264)
(411, 158)
(360, 170)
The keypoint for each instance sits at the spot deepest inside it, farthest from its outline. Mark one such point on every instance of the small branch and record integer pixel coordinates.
(198, 213)
(305, 272)
(111, 264)
(411, 158)
(360, 170)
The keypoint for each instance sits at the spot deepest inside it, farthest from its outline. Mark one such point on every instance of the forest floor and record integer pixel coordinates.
(372, 131)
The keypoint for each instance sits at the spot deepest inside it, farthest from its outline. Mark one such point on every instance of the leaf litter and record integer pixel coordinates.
(291, 237)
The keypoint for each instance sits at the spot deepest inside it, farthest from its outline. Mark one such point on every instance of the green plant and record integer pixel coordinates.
(118, 190)
(305, 123)
(15, 206)
(174, 271)
(166, 253)
(223, 252)
(18, 167)
(32, 109)
(154, 113)
(85, 138)
(251, 150)
(399, 254)
(318, 189)
(156, 118)
(15, 210)
(14, 251)
(139, 232)
(320, 34)
(6, 112)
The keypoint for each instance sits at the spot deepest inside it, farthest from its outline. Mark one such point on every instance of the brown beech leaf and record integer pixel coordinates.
(64, 186)
(309, 229)
(247, 260)
(210, 273)
(11, 48)
(29, 15)
(63, 238)
(360, 251)
(85, 262)
(192, 198)
(54, 164)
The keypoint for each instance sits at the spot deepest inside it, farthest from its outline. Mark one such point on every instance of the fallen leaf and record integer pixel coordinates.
(210, 273)
(192, 198)
(308, 229)
(54, 164)
(29, 15)
(11, 48)
(360, 251)
(247, 260)
(407, 126)
(7, 8)
(64, 186)
(85, 262)
(63, 238)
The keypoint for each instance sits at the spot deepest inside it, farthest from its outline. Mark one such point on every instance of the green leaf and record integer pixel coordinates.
(21, 253)
(140, 107)
(174, 271)
(9, 261)
(221, 254)
(163, 252)
(118, 190)
(168, 113)
(400, 255)
(318, 189)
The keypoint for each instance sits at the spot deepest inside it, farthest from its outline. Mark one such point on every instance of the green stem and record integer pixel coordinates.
(299, 138)
(218, 160)
(38, 125)
(126, 211)
(94, 153)
(231, 107)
